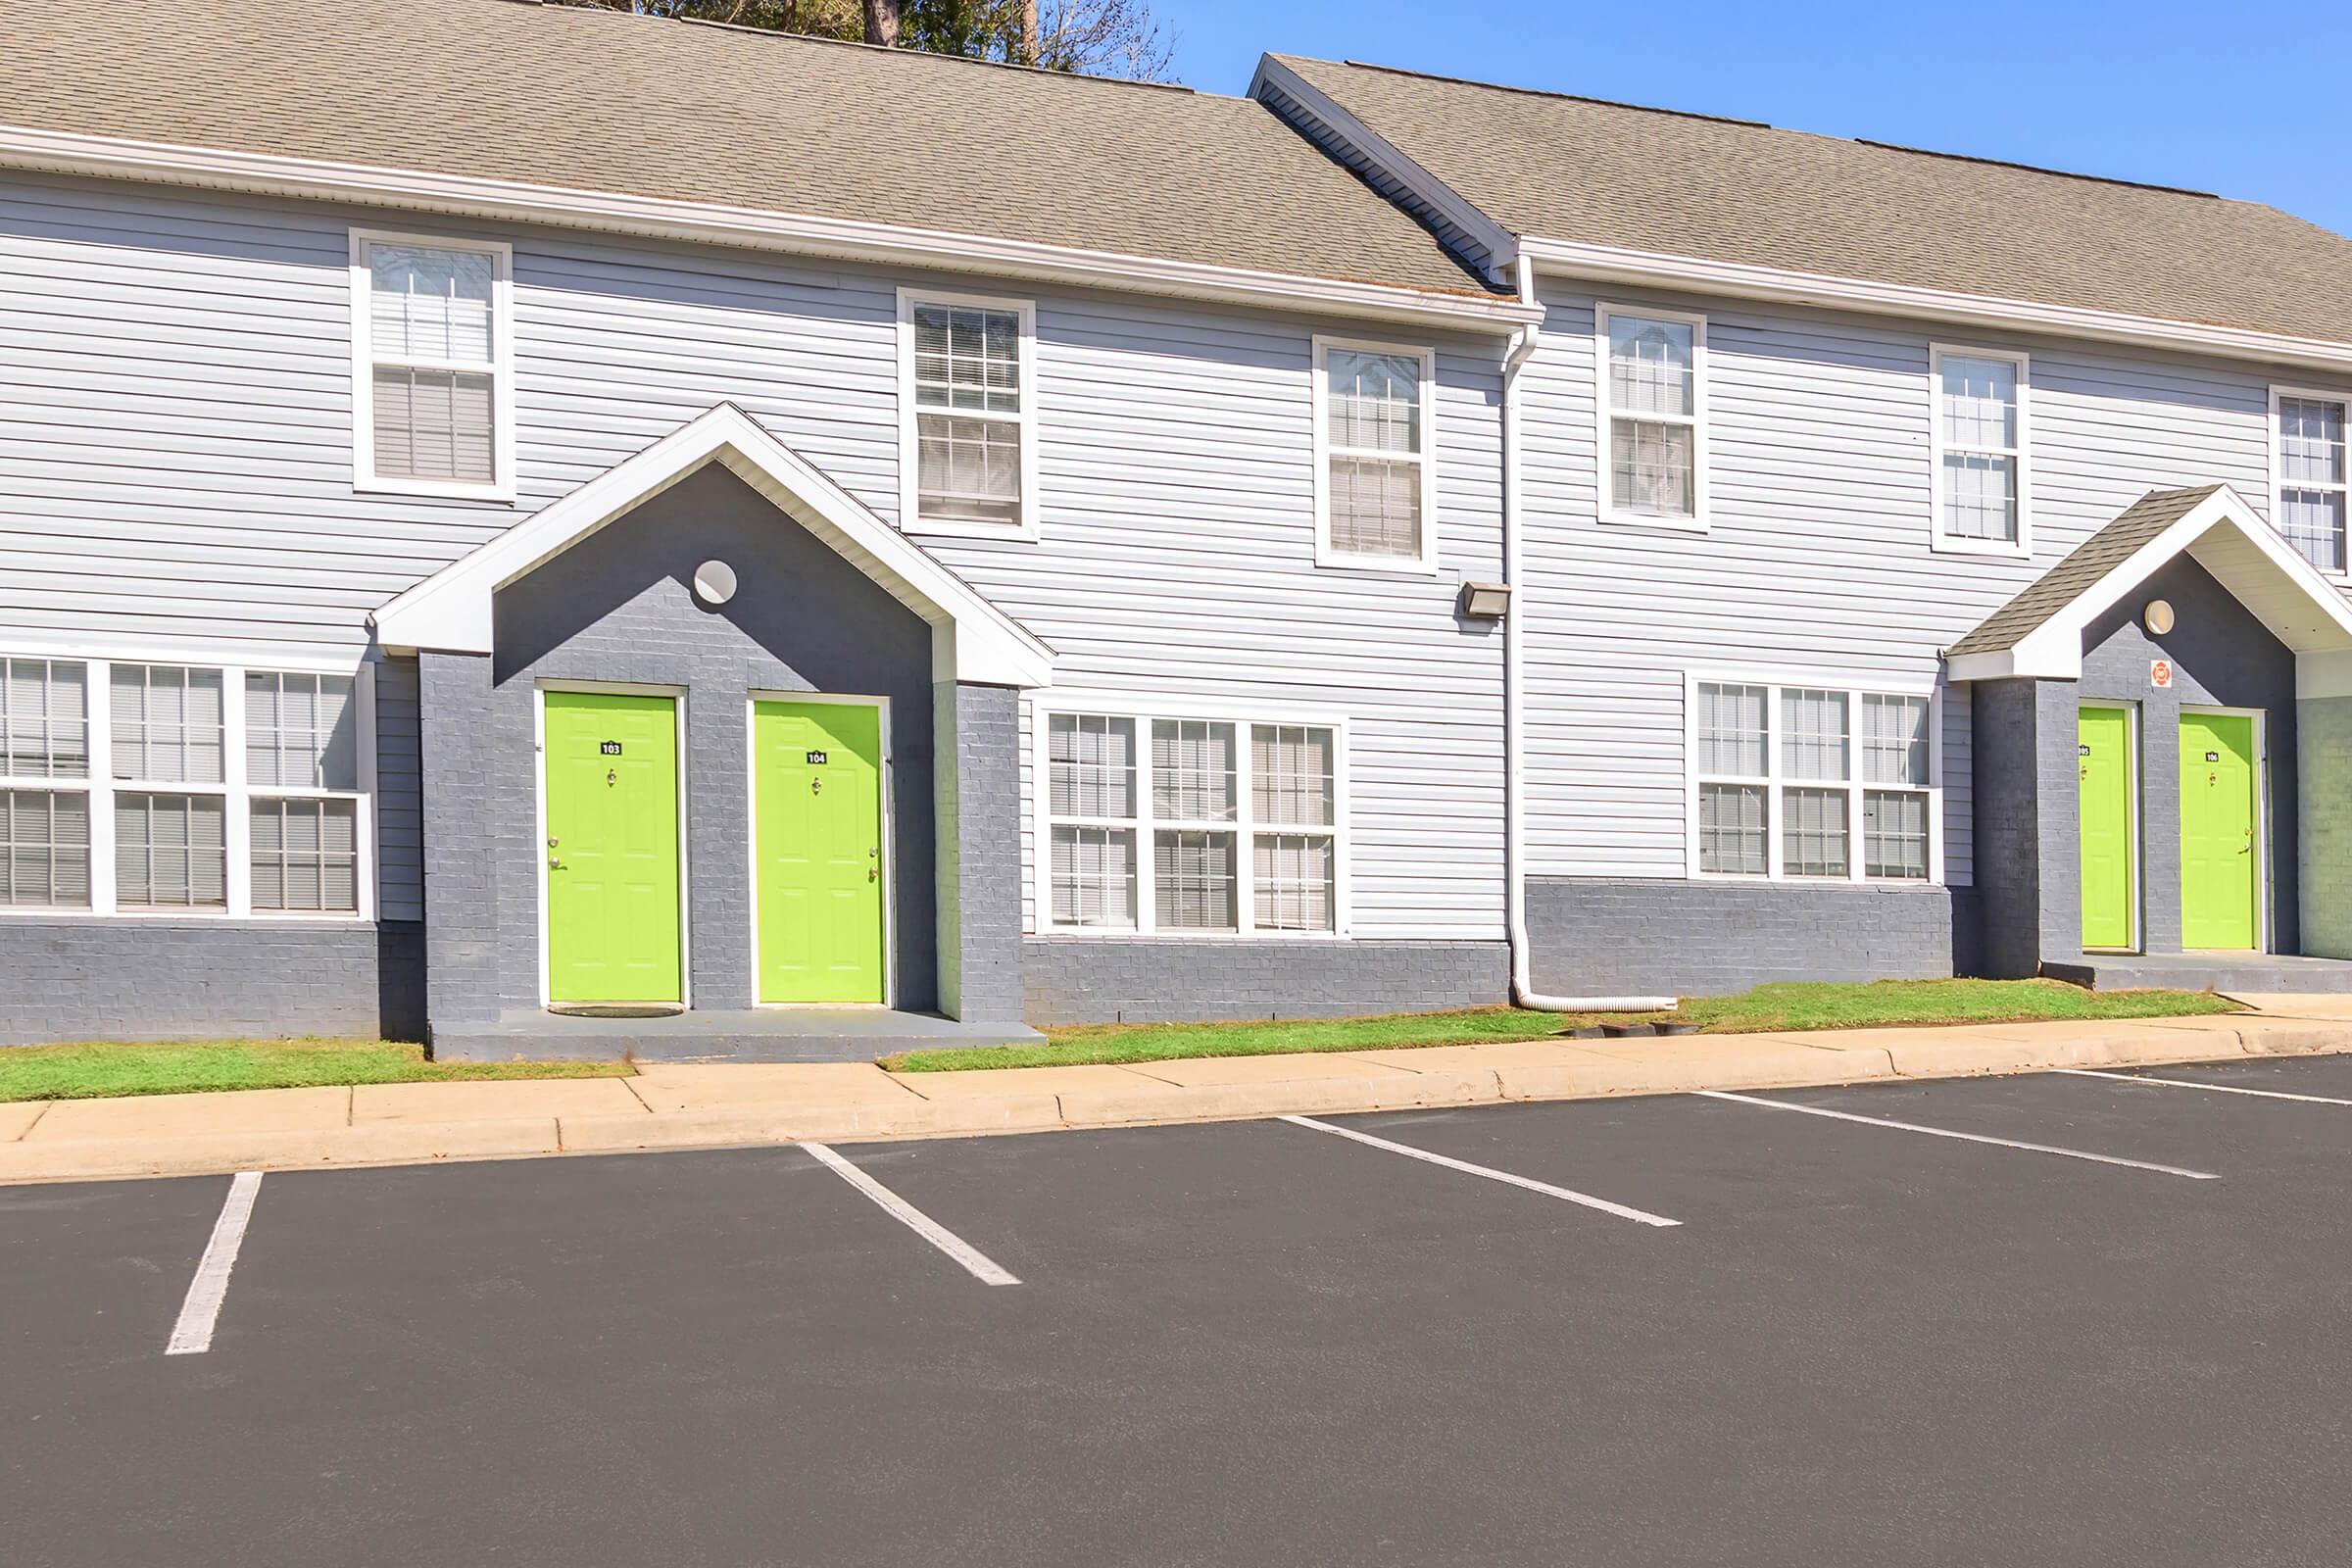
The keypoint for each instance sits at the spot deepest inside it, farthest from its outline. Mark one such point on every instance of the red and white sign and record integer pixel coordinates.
(2159, 673)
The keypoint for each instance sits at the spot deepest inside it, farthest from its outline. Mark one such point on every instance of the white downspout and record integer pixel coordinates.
(1515, 782)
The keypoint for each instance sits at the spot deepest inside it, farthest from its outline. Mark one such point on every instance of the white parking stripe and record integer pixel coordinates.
(1638, 1216)
(192, 1335)
(974, 1261)
(2219, 1089)
(1966, 1138)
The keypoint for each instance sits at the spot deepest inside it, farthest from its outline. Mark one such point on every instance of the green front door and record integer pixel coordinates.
(2221, 876)
(613, 924)
(817, 780)
(2109, 866)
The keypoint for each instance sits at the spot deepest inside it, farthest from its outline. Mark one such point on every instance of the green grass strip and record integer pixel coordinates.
(1768, 1008)
(101, 1069)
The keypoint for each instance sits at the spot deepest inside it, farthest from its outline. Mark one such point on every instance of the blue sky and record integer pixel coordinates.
(2209, 96)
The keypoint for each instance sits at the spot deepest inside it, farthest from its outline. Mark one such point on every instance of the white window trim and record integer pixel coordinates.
(910, 518)
(499, 368)
(1141, 711)
(2277, 448)
(233, 790)
(1319, 373)
(1942, 544)
(1774, 776)
(1604, 418)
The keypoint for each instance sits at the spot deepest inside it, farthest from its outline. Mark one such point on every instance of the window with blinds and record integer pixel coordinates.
(1653, 402)
(1782, 778)
(127, 786)
(2309, 496)
(1375, 460)
(432, 334)
(1212, 827)
(967, 370)
(1980, 451)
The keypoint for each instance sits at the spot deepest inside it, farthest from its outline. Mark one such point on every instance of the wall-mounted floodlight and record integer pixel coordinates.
(1485, 601)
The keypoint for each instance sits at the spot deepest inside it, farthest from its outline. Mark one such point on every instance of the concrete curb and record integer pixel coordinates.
(1579, 1072)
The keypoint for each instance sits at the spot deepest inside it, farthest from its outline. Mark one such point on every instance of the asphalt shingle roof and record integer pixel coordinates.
(1691, 185)
(608, 101)
(2069, 580)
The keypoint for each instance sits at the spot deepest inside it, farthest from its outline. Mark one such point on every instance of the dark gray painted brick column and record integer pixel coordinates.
(979, 791)
(457, 729)
(2323, 726)
(2058, 725)
(2007, 720)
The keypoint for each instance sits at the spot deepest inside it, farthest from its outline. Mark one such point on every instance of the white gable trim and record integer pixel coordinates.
(971, 640)
(2223, 534)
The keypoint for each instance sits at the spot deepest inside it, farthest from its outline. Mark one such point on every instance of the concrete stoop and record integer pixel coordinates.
(746, 1104)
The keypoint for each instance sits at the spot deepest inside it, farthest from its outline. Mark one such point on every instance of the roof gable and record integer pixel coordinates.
(1585, 173)
(973, 641)
(580, 99)
(2038, 634)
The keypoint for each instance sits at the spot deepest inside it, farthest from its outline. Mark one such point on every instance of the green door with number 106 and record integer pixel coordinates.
(2104, 813)
(818, 867)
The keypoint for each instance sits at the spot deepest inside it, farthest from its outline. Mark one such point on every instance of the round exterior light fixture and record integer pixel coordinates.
(714, 582)
(2156, 618)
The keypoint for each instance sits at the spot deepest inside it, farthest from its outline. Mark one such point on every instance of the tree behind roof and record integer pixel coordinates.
(1095, 37)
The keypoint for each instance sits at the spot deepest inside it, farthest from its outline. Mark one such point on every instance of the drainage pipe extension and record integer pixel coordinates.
(1514, 783)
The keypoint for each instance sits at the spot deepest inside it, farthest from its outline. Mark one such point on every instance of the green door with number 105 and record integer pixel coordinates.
(612, 852)
(818, 867)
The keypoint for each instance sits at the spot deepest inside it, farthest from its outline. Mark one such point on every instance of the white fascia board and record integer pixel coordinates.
(972, 640)
(2053, 651)
(1742, 280)
(846, 239)
(1500, 243)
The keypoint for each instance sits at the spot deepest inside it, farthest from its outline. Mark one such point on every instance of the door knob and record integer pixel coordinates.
(553, 865)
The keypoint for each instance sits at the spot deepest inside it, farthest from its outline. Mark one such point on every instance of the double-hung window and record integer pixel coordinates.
(44, 784)
(138, 787)
(1981, 476)
(1819, 782)
(967, 393)
(1373, 467)
(1181, 824)
(1652, 395)
(433, 383)
(2308, 499)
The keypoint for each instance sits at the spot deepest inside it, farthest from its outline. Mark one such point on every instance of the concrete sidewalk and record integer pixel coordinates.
(708, 1106)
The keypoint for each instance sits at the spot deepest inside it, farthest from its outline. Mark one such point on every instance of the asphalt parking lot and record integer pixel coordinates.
(1236, 1343)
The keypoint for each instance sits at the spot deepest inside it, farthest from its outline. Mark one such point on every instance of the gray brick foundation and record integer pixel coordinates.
(1105, 980)
(1618, 936)
(167, 979)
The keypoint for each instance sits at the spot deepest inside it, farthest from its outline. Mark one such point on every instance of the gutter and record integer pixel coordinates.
(1514, 722)
(1610, 264)
(845, 239)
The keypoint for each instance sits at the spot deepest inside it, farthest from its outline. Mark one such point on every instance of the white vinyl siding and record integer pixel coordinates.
(431, 360)
(1241, 820)
(1373, 465)
(967, 387)
(1653, 424)
(1782, 779)
(1979, 449)
(134, 787)
(175, 469)
(2308, 499)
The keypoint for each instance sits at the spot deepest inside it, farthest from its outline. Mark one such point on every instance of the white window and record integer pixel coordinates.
(1191, 824)
(1815, 781)
(1652, 398)
(44, 784)
(967, 393)
(1978, 443)
(432, 380)
(127, 786)
(2308, 501)
(1374, 476)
